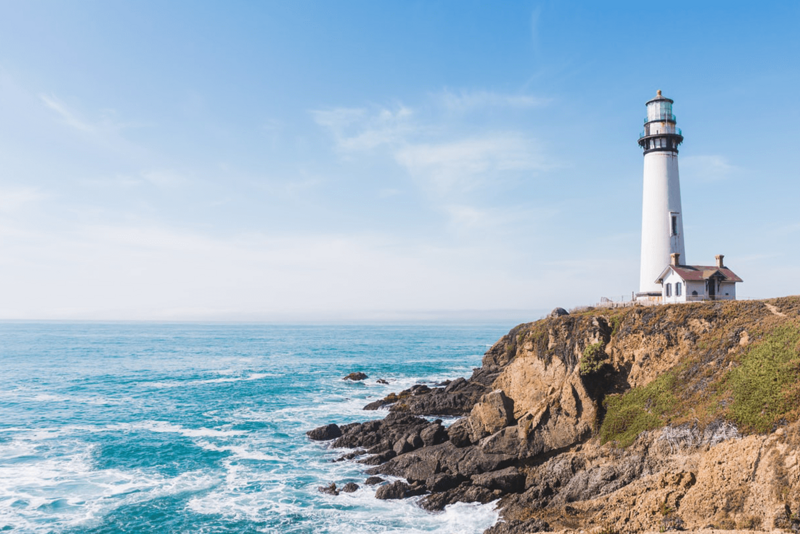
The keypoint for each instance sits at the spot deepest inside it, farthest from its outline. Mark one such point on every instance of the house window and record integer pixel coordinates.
(678, 289)
(668, 290)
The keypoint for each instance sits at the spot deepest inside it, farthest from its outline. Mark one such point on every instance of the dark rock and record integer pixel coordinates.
(519, 527)
(349, 456)
(355, 377)
(375, 405)
(508, 480)
(381, 381)
(398, 490)
(433, 434)
(442, 482)
(386, 432)
(350, 487)
(372, 481)
(459, 433)
(559, 312)
(463, 493)
(324, 433)
(329, 489)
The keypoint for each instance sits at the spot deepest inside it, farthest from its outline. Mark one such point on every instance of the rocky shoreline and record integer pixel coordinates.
(533, 423)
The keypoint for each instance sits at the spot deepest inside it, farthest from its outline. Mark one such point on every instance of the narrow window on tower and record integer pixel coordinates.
(674, 225)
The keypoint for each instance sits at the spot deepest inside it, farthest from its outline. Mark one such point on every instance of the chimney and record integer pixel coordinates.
(676, 256)
(719, 260)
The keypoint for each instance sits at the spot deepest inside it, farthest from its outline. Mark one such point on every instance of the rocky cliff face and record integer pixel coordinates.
(663, 418)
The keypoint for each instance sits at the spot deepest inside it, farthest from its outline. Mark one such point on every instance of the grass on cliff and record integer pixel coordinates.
(638, 410)
(756, 387)
(766, 384)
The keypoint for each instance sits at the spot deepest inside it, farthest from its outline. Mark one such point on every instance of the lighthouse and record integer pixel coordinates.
(662, 217)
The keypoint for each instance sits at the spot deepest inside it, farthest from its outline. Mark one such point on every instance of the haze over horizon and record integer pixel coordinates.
(394, 161)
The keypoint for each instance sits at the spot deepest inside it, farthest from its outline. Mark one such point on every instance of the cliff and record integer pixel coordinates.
(626, 420)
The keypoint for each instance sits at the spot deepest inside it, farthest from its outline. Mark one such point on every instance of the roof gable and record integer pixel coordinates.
(698, 273)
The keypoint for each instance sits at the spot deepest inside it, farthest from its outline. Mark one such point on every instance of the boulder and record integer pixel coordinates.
(330, 489)
(493, 412)
(381, 381)
(433, 434)
(324, 433)
(373, 481)
(355, 377)
(398, 490)
(459, 433)
(559, 312)
(350, 487)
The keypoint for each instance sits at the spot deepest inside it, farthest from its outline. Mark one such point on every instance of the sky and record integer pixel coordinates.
(393, 161)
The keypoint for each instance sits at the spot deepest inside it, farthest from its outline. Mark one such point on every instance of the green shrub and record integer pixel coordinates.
(639, 409)
(594, 358)
(765, 384)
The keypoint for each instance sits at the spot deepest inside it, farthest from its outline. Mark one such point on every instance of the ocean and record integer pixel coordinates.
(201, 428)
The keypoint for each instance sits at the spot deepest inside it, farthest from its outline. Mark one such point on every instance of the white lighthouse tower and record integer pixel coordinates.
(662, 217)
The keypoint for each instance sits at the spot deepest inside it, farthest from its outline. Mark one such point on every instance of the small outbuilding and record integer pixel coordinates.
(692, 283)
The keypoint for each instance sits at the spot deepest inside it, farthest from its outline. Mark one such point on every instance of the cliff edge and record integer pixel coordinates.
(675, 417)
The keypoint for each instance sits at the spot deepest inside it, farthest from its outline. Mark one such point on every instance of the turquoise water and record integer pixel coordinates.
(201, 428)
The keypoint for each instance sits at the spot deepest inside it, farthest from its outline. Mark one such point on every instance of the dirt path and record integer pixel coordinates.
(774, 309)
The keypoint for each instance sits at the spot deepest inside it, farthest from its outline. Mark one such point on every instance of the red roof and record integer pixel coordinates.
(698, 273)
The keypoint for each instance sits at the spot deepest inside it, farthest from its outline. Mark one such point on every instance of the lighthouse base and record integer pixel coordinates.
(648, 297)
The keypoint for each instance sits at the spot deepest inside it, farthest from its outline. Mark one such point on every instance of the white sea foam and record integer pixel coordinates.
(220, 380)
(165, 427)
(40, 488)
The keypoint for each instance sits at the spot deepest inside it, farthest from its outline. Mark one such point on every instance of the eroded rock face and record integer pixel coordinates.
(492, 413)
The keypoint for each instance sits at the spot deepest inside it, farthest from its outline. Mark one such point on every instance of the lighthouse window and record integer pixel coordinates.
(674, 225)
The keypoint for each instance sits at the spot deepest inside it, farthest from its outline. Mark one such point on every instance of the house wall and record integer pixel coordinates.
(672, 278)
(700, 287)
(727, 291)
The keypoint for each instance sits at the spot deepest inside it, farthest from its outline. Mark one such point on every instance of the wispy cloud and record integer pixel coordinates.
(67, 116)
(466, 163)
(439, 155)
(471, 100)
(708, 168)
(362, 129)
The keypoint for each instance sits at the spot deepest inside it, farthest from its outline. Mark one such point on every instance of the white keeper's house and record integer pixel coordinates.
(689, 283)
(664, 276)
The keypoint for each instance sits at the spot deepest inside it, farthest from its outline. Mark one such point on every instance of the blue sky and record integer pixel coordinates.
(381, 161)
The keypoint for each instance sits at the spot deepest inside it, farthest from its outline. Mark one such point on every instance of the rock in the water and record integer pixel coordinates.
(559, 312)
(355, 377)
(324, 433)
(398, 490)
(372, 481)
(382, 381)
(330, 489)
(350, 487)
